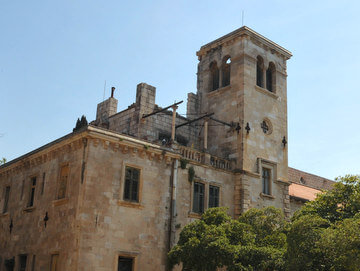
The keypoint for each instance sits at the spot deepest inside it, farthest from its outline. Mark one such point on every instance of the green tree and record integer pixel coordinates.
(256, 241)
(2, 161)
(324, 234)
(343, 201)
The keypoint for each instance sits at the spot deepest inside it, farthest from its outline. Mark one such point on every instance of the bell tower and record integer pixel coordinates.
(242, 80)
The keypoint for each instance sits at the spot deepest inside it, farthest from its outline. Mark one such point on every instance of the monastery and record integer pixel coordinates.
(114, 194)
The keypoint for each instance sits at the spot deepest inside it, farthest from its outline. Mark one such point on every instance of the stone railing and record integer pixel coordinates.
(191, 154)
(205, 158)
(220, 163)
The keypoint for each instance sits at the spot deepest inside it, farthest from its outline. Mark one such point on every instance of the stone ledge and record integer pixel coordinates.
(218, 91)
(4, 214)
(130, 204)
(194, 215)
(59, 202)
(267, 196)
(266, 92)
(282, 182)
(29, 209)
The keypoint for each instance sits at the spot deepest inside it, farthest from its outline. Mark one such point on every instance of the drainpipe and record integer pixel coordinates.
(173, 205)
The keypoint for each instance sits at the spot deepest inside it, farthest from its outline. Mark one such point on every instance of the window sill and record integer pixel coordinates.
(282, 182)
(59, 202)
(130, 204)
(266, 92)
(195, 215)
(263, 195)
(4, 214)
(218, 91)
(29, 209)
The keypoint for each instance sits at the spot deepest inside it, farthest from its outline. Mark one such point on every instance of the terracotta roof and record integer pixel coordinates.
(309, 180)
(303, 193)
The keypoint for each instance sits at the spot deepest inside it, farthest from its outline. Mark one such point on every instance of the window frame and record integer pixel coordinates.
(61, 166)
(140, 183)
(52, 256)
(266, 180)
(259, 81)
(271, 77)
(125, 254)
(272, 166)
(32, 191)
(214, 72)
(218, 195)
(193, 197)
(226, 72)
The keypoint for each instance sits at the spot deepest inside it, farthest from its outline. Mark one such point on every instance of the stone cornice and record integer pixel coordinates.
(237, 34)
(66, 144)
(75, 141)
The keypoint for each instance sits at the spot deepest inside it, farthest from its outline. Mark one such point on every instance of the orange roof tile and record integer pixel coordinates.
(303, 192)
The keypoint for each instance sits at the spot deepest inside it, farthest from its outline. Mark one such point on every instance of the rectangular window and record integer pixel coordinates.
(32, 191)
(6, 199)
(213, 196)
(125, 264)
(198, 198)
(22, 262)
(132, 182)
(266, 179)
(54, 262)
(64, 173)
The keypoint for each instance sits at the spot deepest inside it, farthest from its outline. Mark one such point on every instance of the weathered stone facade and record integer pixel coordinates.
(119, 191)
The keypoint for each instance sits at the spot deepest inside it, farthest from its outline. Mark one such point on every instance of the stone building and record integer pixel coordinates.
(115, 194)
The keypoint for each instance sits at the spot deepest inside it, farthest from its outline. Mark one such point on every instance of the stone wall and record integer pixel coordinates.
(29, 235)
(153, 128)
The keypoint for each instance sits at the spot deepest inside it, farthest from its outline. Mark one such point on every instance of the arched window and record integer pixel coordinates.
(214, 76)
(225, 72)
(260, 72)
(270, 77)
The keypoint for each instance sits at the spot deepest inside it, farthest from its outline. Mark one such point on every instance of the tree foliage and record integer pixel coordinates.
(2, 161)
(342, 202)
(323, 235)
(255, 241)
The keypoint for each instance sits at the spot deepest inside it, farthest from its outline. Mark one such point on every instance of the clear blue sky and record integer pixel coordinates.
(55, 56)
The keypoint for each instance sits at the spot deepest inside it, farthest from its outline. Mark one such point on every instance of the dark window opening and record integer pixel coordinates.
(6, 199)
(132, 181)
(213, 196)
(214, 76)
(164, 138)
(266, 178)
(32, 192)
(181, 140)
(22, 262)
(259, 72)
(226, 72)
(198, 199)
(33, 263)
(125, 264)
(9, 264)
(270, 77)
